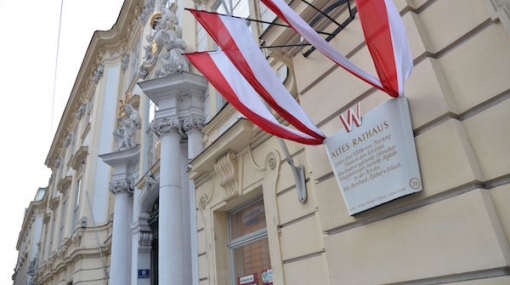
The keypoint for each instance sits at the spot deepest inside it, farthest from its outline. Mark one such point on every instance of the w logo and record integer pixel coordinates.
(352, 118)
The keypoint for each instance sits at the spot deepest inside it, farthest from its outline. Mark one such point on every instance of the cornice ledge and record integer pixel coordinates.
(236, 138)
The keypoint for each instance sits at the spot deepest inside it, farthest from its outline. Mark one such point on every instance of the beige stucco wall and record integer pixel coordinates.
(455, 230)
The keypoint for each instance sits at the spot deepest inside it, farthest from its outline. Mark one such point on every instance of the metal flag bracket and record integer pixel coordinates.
(297, 171)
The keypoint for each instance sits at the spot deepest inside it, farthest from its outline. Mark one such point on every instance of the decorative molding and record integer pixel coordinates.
(272, 160)
(168, 44)
(62, 250)
(150, 181)
(46, 217)
(67, 140)
(64, 183)
(166, 125)
(77, 235)
(54, 203)
(145, 239)
(56, 165)
(80, 111)
(193, 122)
(147, 10)
(125, 61)
(226, 168)
(129, 121)
(98, 73)
(79, 158)
(122, 185)
(113, 53)
(150, 58)
(500, 10)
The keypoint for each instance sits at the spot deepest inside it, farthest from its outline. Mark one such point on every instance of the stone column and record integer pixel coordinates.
(178, 96)
(120, 248)
(171, 256)
(193, 127)
(125, 166)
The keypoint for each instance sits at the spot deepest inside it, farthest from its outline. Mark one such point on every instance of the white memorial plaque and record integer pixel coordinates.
(376, 162)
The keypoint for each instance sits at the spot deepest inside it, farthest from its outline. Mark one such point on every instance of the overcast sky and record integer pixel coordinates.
(28, 35)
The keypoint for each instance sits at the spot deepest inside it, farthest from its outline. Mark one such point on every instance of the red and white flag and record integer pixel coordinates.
(235, 39)
(224, 76)
(385, 36)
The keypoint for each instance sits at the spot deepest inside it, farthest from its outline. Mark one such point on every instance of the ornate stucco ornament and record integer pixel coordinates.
(125, 62)
(122, 185)
(80, 111)
(67, 140)
(98, 73)
(169, 43)
(165, 45)
(125, 133)
(166, 125)
(147, 10)
(193, 122)
(226, 168)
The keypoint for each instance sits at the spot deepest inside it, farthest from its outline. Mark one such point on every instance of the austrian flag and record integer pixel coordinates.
(241, 73)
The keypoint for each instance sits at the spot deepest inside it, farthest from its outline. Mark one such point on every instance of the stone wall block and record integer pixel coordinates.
(301, 238)
(489, 133)
(448, 237)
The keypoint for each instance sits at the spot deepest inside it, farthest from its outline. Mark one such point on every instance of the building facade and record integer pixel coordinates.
(157, 180)
(29, 242)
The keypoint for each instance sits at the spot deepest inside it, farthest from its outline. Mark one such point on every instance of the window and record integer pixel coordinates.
(76, 204)
(62, 222)
(73, 140)
(266, 15)
(52, 232)
(151, 139)
(90, 108)
(62, 163)
(43, 253)
(247, 241)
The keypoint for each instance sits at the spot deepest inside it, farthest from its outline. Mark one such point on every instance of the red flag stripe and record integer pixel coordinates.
(229, 33)
(288, 15)
(376, 28)
(218, 77)
(385, 36)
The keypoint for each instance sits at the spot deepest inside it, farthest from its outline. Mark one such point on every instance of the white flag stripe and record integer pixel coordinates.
(263, 72)
(307, 32)
(245, 92)
(403, 59)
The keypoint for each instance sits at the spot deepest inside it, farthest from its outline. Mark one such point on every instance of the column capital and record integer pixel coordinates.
(166, 125)
(122, 185)
(193, 122)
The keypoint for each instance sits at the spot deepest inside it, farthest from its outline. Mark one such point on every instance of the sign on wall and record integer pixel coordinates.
(248, 279)
(376, 162)
(267, 277)
(143, 273)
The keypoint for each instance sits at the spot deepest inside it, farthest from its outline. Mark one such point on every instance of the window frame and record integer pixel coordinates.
(233, 244)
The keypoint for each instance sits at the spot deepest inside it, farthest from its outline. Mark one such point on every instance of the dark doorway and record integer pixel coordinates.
(153, 223)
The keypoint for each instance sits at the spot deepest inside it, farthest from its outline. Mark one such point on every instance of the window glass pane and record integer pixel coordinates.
(221, 6)
(252, 258)
(266, 15)
(247, 220)
(242, 9)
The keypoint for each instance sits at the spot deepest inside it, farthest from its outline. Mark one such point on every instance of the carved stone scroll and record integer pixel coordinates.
(226, 168)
